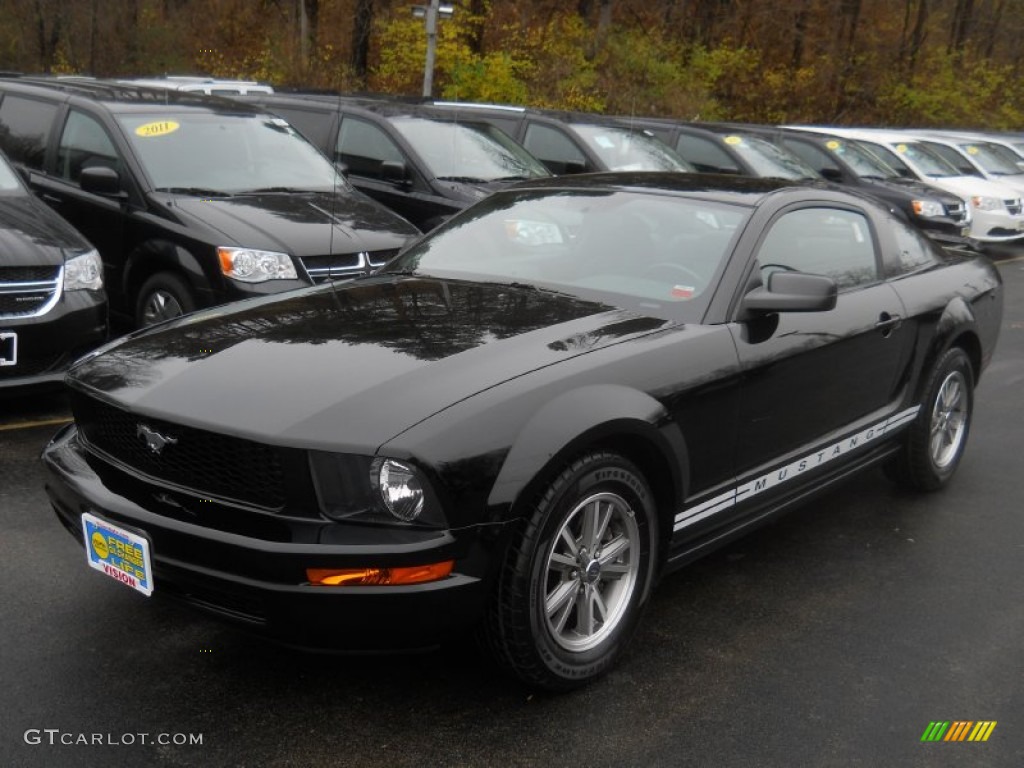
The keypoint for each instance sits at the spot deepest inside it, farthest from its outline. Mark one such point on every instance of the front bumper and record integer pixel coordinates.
(259, 580)
(49, 343)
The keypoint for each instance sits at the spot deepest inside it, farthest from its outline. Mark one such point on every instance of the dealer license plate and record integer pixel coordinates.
(120, 554)
(8, 348)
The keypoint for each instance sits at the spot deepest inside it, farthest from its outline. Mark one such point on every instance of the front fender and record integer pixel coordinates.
(600, 413)
(155, 256)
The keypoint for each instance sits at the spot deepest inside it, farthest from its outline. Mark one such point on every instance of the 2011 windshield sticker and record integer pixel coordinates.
(160, 128)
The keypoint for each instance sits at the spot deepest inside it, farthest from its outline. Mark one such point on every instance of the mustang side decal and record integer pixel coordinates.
(793, 469)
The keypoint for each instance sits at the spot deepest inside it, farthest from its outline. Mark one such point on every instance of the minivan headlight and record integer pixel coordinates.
(253, 266)
(986, 203)
(928, 208)
(84, 272)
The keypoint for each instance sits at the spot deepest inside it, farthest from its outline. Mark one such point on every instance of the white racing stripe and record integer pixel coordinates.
(794, 469)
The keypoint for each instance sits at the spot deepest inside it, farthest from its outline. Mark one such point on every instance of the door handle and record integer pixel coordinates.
(888, 323)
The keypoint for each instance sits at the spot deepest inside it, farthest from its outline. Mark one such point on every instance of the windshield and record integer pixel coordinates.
(468, 151)
(863, 163)
(991, 158)
(954, 157)
(8, 178)
(627, 249)
(929, 163)
(211, 153)
(622, 149)
(768, 159)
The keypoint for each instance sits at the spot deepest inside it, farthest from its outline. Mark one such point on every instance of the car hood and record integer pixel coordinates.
(31, 234)
(915, 187)
(471, 191)
(969, 186)
(301, 223)
(350, 367)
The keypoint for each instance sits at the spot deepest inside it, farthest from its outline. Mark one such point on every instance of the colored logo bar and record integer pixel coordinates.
(958, 730)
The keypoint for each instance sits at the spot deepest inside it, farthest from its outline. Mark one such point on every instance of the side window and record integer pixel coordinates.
(363, 146)
(554, 149)
(818, 159)
(315, 126)
(821, 241)
(915, 251)
(705, 155)
(84, 144)
(24, 129)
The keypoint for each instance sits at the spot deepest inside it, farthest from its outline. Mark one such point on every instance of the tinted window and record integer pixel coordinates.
(953, 157)
(554, 149)
(315, 126)
(84, 144)
(705, 155)
(821, 241)
(24, 128)
(810, 154)
(363, 147)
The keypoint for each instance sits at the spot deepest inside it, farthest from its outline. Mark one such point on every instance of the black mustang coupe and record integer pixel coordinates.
(527, 418)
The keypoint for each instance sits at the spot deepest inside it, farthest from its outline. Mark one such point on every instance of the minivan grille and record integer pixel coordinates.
(28, 291)
(957, 212)
(204, 462)
(345, 266)
(1013, 206)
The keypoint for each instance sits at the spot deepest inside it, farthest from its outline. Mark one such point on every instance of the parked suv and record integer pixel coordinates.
(422, 164)
(574, 142)
(191, 200)
(52, 304)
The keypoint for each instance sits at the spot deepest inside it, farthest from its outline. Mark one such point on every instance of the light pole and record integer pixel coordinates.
(431, 12)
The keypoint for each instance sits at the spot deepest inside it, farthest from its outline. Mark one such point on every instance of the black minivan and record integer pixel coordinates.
(191, 200)
(52, 304)
(421, 163)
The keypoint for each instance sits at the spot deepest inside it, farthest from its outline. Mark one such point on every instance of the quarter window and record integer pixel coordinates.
(24, 129)
(705, 155)
(822, 241)
(84, 144)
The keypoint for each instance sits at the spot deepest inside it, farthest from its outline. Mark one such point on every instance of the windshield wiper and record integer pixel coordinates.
(463, 179)
(196, 191)
(273, 190)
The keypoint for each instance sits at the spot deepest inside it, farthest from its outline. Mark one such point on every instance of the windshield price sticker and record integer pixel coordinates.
(8, 348)
(120, 554)
(161, 128)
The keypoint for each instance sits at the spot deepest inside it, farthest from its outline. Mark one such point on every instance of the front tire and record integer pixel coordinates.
(572, 590)
(936, 440)
(162, 297)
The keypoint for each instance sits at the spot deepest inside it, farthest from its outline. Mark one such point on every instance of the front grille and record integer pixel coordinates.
(27, 291)
(345, 266)
(1013, 206)
(957, 212)
(206, 463)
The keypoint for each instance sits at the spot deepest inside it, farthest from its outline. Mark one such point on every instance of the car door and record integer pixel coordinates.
(818, 384)
(84, 142)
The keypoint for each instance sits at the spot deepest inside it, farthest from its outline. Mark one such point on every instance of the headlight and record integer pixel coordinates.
(928, 208)
(83, 272)
(251, 266)
(376, 490)
(399, 487)
(986, 203)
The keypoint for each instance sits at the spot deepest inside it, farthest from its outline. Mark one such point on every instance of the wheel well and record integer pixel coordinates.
(969, 343)
(651, 462)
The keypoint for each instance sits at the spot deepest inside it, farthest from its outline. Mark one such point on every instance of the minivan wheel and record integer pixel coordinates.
(572, 590)
(162, 297)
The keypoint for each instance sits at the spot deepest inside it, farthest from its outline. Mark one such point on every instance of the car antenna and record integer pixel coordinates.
(334, 195)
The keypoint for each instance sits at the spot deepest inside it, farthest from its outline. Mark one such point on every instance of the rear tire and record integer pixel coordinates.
(572, 591)
(935, 442)
(162, 297)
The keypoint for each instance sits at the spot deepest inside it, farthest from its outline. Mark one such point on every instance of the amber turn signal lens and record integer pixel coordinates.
(354, 577)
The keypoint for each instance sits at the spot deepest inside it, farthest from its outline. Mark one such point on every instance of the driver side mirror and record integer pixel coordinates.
(791, 292)
(394, 171)
(101, 180)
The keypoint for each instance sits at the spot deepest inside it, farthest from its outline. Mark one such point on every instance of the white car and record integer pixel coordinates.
(997, 214)
(209, 85)
(976, 155)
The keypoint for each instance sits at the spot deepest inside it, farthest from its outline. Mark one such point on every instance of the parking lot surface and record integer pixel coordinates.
(832, 637)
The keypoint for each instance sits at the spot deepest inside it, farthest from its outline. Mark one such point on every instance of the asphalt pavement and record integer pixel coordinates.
(832, 637)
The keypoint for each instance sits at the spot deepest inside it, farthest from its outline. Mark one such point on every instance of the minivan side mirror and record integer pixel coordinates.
(791, 292)
(394, 171)
(101, 180)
